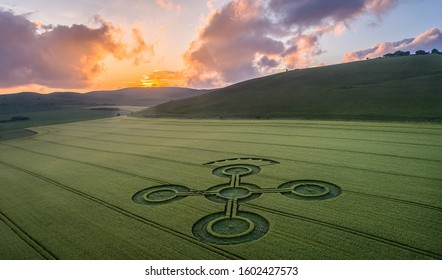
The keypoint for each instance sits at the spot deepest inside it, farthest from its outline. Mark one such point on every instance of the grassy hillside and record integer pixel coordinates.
(399, 88)
(31, 102)
(70, 192)
(142, 96)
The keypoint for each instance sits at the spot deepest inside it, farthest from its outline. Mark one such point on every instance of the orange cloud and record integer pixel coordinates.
(304, 48)
(60, 56)
(169, 5)
(141, 48)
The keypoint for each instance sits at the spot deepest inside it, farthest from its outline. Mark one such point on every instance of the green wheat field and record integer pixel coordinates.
(129, 188)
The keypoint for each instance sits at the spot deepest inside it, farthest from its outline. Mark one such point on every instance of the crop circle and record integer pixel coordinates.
(217, 228)
(310, 190)
(225, 192)
(236, 170)
(160, 194)
(226, 227)
(236, 192)
(233, 226)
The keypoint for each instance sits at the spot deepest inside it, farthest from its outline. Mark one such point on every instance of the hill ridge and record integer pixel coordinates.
(32, 101)
(398, 88)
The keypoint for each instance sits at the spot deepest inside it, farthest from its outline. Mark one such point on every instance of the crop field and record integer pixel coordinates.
(65, 115)
(132, 188)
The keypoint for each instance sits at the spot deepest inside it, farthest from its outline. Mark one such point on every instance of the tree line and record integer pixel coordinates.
(418, 52)
(16, 119)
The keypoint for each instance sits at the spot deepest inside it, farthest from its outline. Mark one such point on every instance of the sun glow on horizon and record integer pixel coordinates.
(145, 81)
(99, 45)
(161, 79)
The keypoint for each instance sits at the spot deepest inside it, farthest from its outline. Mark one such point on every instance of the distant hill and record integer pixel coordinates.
(31, 101)
(143, 96)
(398, 88)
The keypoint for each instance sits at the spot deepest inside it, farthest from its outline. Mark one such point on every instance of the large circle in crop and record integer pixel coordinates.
(225, 192)
(229, 171)
(217, 228)
(160, 194)
(310, 190)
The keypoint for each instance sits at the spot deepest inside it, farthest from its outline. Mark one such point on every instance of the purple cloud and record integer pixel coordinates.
(315, 12)
(428, 40)
(246, 38)
(227, 48)
(266, 62)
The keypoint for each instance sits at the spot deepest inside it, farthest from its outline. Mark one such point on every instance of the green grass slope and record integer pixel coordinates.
(142, 96)
(400, 88)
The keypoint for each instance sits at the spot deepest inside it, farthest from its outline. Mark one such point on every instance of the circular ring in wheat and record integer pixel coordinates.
(243, 227)
(310, 190)
(160, 194)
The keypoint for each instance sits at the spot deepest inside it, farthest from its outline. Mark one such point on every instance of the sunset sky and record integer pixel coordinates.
(79, 45)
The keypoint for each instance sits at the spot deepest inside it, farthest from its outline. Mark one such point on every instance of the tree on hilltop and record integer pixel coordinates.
(401, 53)
(421, 52)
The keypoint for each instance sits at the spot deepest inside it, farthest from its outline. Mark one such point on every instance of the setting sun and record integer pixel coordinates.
(161, 79)
(146, 82)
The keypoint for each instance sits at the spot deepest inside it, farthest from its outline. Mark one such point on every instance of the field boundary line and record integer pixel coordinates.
(28, 239)
(348, 230)
(237, 141)
(416, 204)
(90, 164)
(276, 158)
(256, 133)
(301, 125)
(333, 127)
(118, 153)
(262, 143)
(129, 214)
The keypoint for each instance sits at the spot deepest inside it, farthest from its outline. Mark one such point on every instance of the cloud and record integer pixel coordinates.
(141, 47)
(60, 56)
(303, 48)
(428, 40)
(226, 48)
(169, 5)
(304, 14)
(248, 38)
(267, 62)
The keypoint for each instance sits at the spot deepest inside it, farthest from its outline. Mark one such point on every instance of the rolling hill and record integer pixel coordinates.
(31, 101)
(399, 88)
